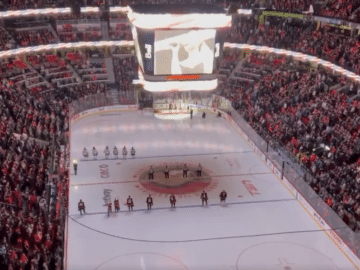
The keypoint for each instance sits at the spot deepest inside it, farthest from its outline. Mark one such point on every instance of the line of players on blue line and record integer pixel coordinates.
(149, 202)
(95, 153)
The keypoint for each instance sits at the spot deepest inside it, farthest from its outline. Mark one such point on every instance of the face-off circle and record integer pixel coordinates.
(176, 184)
(143, 260)
(284, 256)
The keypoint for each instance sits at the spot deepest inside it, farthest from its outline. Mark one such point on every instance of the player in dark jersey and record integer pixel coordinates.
(172, 201)
(117, 205)
(204, 197)
(130, 203)
(149, 202)
(223, 196)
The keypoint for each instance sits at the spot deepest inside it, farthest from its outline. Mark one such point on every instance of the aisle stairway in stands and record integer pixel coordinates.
(114, 94)
(110, 69)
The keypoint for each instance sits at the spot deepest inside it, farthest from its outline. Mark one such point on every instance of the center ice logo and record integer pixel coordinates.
(177, 183)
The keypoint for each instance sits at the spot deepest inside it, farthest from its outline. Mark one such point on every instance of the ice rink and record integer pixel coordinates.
(261, 226)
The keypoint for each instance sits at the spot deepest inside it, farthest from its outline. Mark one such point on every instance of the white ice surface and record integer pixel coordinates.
(269, 230)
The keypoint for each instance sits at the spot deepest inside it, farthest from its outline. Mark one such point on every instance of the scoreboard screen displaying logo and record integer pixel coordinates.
(179, 51)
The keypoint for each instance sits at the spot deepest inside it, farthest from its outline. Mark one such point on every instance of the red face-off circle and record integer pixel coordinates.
(176, 183)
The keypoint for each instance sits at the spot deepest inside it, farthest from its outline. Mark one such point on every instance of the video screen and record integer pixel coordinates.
(184, 51)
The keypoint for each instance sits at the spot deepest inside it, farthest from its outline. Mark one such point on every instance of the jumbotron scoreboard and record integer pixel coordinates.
(178, 47)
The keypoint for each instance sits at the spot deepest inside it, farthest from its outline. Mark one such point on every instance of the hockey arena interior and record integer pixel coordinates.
(179, 134)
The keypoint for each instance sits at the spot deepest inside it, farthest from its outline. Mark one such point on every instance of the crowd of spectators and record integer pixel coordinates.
(122, 50)
(290, 108)
(280, 33)
(340, 9)
(30, 238)
(329, 43)
(35, 37)
(6, 41)
(31, 131)
(29, 4)
(125, 69)
(70, 33)
(242, 29)
(346, 9)
(121, 31)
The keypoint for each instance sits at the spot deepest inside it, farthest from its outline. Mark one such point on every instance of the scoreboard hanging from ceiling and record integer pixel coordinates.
(178, 47)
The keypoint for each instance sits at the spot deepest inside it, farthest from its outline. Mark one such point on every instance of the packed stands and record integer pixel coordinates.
(32, 130)
(287, 102)
(125, 69)
(34, 37)
(6, 41)
(71, 33)
(242, 29)
(32, 4)
(120, 31)
(289, 107)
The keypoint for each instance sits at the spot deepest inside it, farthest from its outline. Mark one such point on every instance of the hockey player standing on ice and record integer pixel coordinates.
(94, 152)
(204, 197)
(149, 202)
(107, 152)
(130, 203)
(115, 152)
(191, 113)
(199, 169)
(81, 206)
(151, 173)
(132, 152)
(172, 200)
(109, 208)
(85, 153)
(117, 205)
(124, 152)
(185, 170)
(166, 172)
(223, 196)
